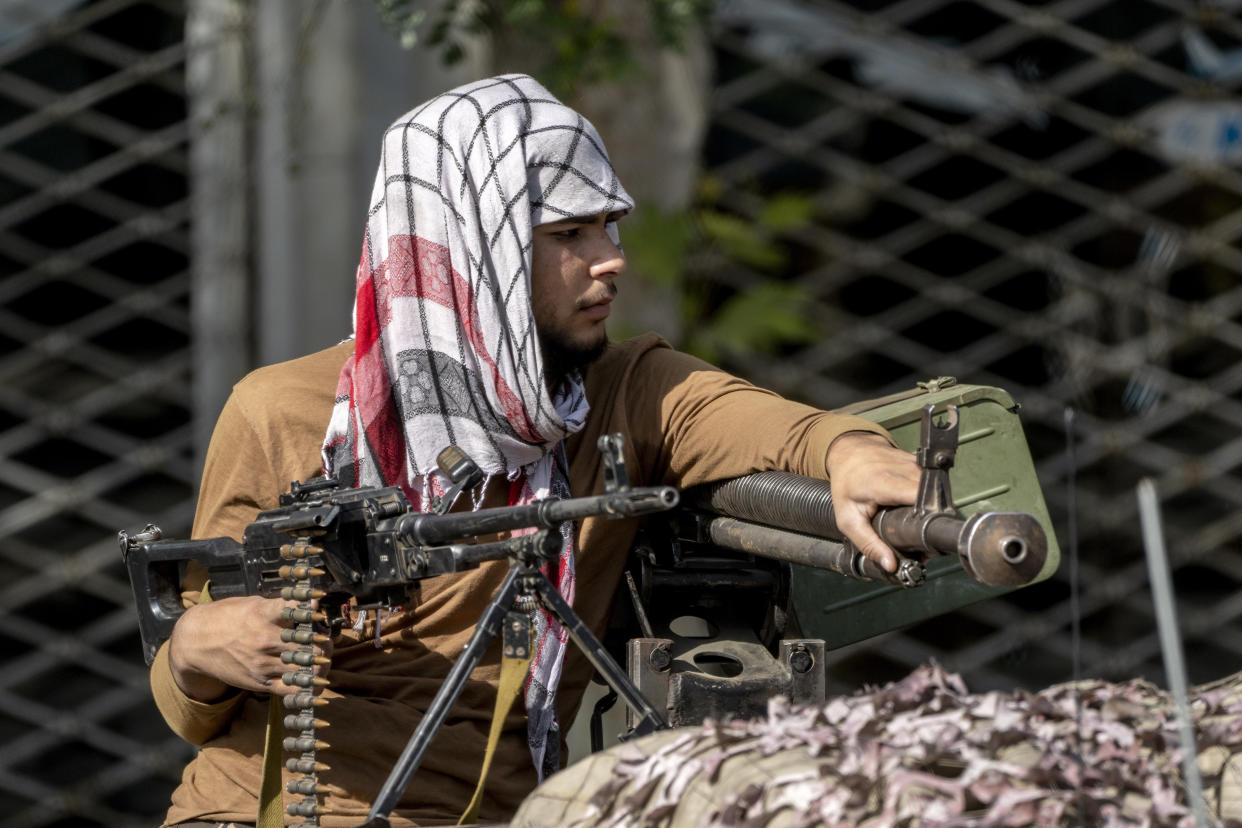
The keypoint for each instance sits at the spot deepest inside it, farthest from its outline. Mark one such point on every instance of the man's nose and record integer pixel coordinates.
(609, 261)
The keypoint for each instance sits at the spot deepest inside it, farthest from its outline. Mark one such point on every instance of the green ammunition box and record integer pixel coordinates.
(993, 472)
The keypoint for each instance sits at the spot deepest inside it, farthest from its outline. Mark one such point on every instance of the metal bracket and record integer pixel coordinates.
(612, 447)
(516, 635)
(150, 534)
(936, 454)
(803, 659)
(462, 473)
(685, 677)
(299, 491)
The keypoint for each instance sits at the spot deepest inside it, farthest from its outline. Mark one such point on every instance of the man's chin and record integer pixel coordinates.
(560, 358)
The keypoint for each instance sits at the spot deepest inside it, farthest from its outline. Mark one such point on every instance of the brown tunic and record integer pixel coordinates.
(685, 423)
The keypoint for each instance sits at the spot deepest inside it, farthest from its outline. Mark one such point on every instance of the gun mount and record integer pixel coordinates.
(718, 574)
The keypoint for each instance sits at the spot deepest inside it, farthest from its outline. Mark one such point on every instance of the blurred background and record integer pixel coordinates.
(839, 199)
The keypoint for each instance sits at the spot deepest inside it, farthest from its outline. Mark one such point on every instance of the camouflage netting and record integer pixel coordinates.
(922, 751)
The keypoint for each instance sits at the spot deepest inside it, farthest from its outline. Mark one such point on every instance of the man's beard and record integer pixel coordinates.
(562, 358)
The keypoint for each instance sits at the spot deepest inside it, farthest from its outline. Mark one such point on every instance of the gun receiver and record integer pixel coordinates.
(371, 546)
(791, 518)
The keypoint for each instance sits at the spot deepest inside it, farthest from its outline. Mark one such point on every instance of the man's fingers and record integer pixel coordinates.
(235, 642)
(890, 479)
(867, 473)
(903, 487)
(857, 527)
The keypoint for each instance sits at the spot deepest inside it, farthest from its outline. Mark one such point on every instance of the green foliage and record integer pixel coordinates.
(768, 313)
(787, 211)
(584, 50)
(581, 46)
(759, 319)
(671, 19)
(656, 243)
(764, 316)
(742, 240)
(402, 19)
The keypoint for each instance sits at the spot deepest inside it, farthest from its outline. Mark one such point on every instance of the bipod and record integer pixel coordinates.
(525, 585)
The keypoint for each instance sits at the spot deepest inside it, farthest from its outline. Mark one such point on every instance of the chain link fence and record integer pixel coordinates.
(1039, 196)
(94, 396)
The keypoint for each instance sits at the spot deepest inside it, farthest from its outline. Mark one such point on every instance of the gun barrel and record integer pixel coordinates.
(1003, 548)
(775, 498)
(996, 548)
(795, 547)
(545, 514)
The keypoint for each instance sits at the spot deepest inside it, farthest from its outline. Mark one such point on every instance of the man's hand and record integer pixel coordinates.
(866, 473)
(232, 643)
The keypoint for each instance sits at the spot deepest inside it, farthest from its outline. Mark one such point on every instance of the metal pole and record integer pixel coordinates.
(1170, 640)
(217, 79)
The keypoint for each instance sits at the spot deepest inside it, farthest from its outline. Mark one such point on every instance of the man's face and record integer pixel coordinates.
(573, 265)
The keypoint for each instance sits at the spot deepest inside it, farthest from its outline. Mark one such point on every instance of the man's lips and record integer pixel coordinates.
(598, 308)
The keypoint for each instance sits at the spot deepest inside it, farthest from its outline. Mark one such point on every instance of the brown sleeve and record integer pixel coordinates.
(239, 479)
(236, 478)
(192, 720)
(711, 425)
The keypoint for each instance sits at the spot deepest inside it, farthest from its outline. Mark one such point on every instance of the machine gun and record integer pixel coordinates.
(716, 579)
(329, 545)
(367, 543)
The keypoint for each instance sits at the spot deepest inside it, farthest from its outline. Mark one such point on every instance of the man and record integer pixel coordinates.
(489, 264)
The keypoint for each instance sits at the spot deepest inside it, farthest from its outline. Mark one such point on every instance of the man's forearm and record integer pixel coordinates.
(191, 719)
(193, 681)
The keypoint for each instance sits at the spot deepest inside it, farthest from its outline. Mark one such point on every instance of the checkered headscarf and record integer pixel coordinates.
(446, 351)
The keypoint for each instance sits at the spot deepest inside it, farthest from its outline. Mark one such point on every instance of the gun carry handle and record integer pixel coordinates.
(156, 570)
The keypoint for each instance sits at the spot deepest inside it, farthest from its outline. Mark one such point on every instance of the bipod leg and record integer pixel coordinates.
(399, 778)
(649, 719)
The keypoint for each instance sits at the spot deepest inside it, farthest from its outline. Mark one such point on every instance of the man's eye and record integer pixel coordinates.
(571, 233)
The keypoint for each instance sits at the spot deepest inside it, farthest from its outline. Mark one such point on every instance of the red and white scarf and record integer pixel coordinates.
(446, 351)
